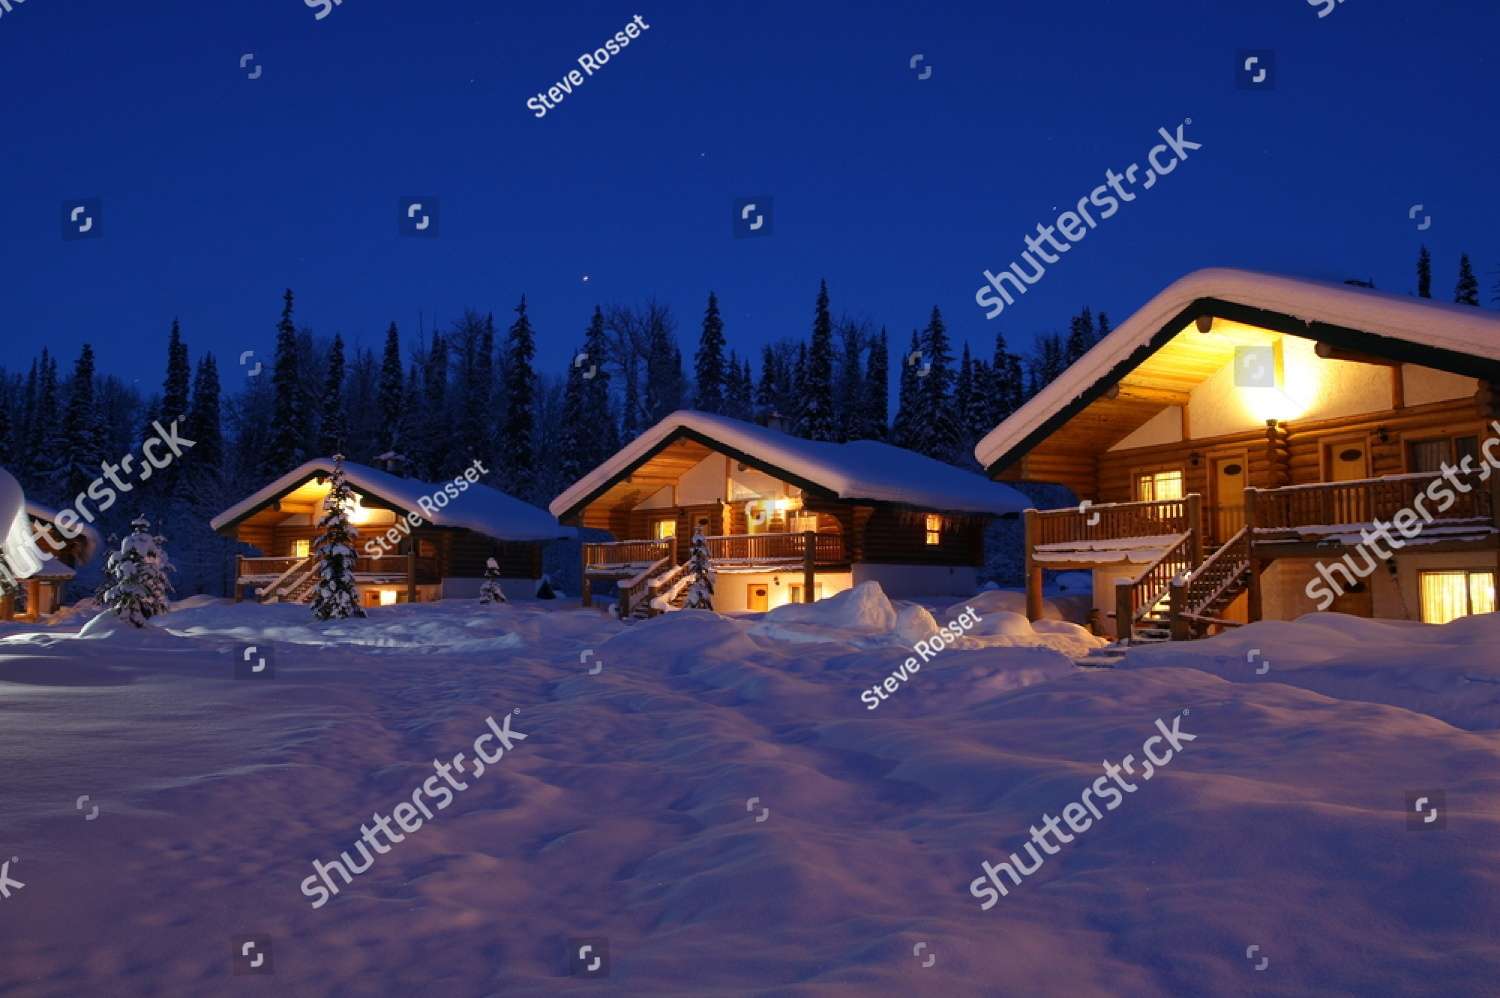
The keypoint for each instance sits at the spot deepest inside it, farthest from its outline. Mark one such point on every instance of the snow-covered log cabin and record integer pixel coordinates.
(418, 541)
(787, 520)
(1237, 440)
(59, 556)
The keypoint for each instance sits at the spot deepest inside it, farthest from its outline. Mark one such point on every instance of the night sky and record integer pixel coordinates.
(218, 190)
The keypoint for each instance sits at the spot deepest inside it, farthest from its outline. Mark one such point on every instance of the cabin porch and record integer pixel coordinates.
(1174, 577)
(644, 569)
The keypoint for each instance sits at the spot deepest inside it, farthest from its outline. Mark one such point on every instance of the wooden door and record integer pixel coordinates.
(1228, 481)
(756, 597)
(1348, 460)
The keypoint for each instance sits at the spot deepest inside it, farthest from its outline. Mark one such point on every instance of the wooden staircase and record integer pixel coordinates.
(295, 585)
(1197, 602)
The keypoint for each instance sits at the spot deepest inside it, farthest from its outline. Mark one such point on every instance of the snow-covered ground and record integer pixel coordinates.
(711, 795)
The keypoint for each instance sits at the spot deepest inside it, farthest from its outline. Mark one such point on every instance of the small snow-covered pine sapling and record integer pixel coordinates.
(490, 591)
(337, 596)
(137, 586)
(544, 588)
(701, 590)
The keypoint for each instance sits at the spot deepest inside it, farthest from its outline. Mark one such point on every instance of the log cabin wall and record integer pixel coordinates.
(1305, 439)
(462, 554)
(897, 536)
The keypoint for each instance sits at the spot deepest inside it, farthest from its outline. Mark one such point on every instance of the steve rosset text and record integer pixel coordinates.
(590, 61)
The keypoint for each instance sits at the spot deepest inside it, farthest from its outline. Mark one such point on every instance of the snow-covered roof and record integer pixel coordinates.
(480, 508)
(858, 470)
(1459, 329)
(92, 541)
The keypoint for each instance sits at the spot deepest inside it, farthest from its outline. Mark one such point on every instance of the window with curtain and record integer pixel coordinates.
(934, 529)
(1431, 455)
(1458, 593)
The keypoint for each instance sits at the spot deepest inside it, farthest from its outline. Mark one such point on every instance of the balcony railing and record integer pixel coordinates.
(1363, 501)
(1112, 520)
(618, 555)
(764, 549)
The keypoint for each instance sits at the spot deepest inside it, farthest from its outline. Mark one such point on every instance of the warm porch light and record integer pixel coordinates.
(387, 597)
(356, 511)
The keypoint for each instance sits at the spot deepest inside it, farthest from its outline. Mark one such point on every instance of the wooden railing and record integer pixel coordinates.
(1362, 501)
(1134, 598)
(274, 567)
(1114, 520)
(1191, 599)
(613, 553)
(632, 590)
(766, 548)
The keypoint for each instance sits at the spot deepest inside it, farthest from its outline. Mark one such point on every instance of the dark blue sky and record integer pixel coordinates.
(219, 191)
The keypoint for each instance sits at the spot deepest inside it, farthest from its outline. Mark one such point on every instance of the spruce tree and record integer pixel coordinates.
(333, 426)
(573, 444)
(976, 414)
(936, 429)
(963, 395)
(903, 429)
(518, 461)
(81, 427)
(392, 392)
(701, 590)
(817, 416)
(708, 366)
(877, 390)
(174, 390)
(337, 595)
(476, 413)
(604, 440)
(768, 392)
(1424, 273)
(287, 420)
(1008, 389)
(849, 410)
(1080, 335)
(431, 456)
(204, 424)
(46, 469)
(1467, 292)
(489, 590)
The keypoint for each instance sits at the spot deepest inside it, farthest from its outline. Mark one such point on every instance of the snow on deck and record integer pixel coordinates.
(1106, 550)
(859, 469)
(624, 813)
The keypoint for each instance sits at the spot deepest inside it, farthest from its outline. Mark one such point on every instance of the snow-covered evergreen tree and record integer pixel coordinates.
(877, 390)
(604, 437)
(701, 590)
(1424, 273)
(137, 585)
(82, 432)
(544, 588)
(935, 427)
(336, 595)
(489, 590)
(903, 429)
(392, 397)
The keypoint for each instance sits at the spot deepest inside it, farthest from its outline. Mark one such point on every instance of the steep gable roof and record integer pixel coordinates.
(481, 509)
(859, 470)
(1456, 338)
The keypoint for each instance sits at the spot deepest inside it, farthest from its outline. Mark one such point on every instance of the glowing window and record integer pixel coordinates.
(666, 529)
(1449, 595)
(1159, 485)
(934, 528)
(387, 597)
(301, 548)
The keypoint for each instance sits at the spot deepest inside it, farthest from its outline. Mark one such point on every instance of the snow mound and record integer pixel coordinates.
(863, 608)
(1001, 623)
(914, 623)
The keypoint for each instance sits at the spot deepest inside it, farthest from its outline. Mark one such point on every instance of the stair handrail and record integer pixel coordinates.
(1155, 581)
(630, 588)
(275, 586)
(1217, 571)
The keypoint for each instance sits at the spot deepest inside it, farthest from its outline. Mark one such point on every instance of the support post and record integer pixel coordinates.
(7, 607)
(1254, 597)
(239, 573)
(1033, 570)
(1124, 610)
(34, 599)
(1177, 602)
(1195, 524)
(411, 571)
(809, 564)
(586, 585)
